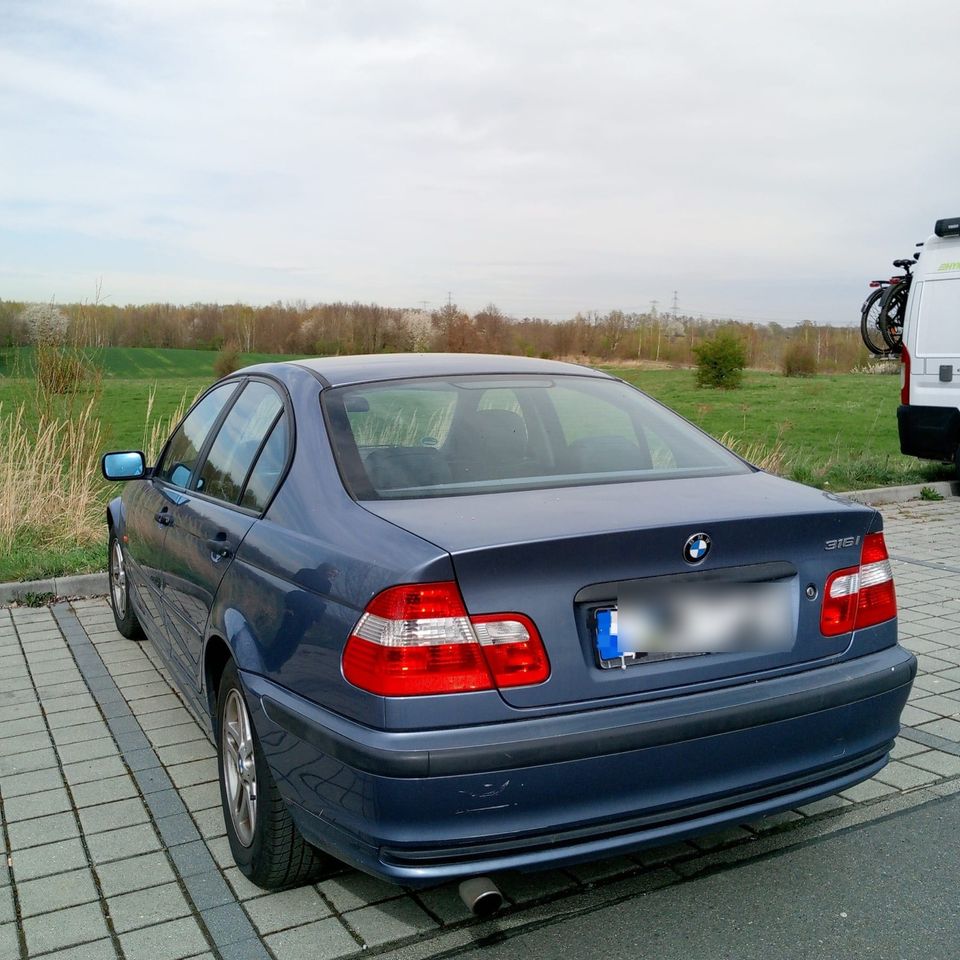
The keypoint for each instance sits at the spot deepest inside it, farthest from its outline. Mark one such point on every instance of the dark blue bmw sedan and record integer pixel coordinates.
(450, 615)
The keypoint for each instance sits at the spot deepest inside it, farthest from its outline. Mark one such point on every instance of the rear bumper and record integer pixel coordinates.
(431, 805)
(931, 433)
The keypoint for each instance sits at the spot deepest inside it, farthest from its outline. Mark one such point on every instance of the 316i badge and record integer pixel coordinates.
(696, 548)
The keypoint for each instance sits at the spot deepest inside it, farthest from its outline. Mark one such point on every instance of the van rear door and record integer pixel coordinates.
(935, 347)
(928, 418)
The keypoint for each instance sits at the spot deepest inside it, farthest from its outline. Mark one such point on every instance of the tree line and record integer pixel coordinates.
(325, 329)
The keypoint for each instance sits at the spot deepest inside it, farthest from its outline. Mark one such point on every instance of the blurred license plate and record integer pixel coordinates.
(673, 621)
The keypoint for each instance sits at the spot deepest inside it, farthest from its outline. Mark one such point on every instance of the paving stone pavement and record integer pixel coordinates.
(110, 816)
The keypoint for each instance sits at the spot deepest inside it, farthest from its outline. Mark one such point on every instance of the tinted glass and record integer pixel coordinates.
(238, 441)
(402, 415)
(266, 471)
(440, 437)
(939, 318)
(185, 445)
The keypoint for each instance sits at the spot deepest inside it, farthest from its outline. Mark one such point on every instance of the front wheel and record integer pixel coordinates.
(870, 323)
(126, 620)
(265, 842)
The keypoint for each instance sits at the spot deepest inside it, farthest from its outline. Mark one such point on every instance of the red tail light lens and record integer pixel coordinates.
(878, 597)
(418, 601)
(858, 597)
(839, 612)
(904, 375)
(418, 639)
(512, 648)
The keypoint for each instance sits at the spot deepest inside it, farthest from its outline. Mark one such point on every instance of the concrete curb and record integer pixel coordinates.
(95, 584)
(881, 495)
(80, 585)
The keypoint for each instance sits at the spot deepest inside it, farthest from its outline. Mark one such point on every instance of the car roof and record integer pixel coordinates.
(337, 371)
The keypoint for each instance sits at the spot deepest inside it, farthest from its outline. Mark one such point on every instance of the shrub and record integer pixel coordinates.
(63, 374)
(799, 360)
(227, 359)
(44, 323)
(60, 370)
(720, 362)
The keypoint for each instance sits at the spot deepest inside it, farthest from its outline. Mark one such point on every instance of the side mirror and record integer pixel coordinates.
(125, 465)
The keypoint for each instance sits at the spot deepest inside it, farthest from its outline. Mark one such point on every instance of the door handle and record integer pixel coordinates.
(163, 518)
(219, 547)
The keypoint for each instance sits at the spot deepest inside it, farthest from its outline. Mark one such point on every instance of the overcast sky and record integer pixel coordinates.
(763, 159)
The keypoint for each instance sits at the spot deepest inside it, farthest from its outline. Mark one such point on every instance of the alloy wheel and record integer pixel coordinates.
(239, 767)
(118, 581)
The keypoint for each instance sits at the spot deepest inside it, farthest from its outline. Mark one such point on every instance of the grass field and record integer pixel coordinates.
(130, 375)
(137, 363)
(837, 432)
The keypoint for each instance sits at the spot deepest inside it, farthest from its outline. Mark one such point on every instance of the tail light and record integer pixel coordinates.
(858, 597)
(904, 375)
(418, 639)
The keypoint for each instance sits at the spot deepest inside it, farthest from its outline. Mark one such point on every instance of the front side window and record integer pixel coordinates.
(238, 442)
(461, 435)
(185, 445)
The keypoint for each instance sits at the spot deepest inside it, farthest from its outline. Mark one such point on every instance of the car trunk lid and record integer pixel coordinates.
(561, 555)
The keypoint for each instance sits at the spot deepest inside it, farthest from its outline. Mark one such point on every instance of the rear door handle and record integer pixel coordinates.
(219, 547)
(163, 518)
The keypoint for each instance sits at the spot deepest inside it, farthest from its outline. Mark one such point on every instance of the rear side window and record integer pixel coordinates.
(448, 436)
(185, 445)
(267, 470)
(238, 442)
(938, 323)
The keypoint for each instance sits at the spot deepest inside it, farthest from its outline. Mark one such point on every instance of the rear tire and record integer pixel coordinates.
(870, 323)
(126, 620)
(265, 842)
(893, 310)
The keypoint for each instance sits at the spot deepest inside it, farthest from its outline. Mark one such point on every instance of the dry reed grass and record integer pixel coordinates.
(156, 430)
(49, 477)
(51, 488)
(772, 459)
(404, 428)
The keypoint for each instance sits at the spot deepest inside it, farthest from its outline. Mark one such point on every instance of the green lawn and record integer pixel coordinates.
(820, 417)
(138, 363)
(129, 376)
(37, 561)
(836, 432)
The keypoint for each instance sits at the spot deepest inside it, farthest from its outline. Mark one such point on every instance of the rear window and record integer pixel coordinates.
(938, 326)
(465, 435)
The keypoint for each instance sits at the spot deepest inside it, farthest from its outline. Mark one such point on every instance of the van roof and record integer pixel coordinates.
(940, 257)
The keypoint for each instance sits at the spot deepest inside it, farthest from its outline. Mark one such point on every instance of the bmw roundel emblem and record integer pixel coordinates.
(696, 548)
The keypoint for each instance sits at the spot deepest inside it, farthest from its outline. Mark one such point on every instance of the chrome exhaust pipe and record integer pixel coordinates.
(481, 896)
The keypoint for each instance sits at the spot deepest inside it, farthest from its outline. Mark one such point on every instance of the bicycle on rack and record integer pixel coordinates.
(893, 306)
(882, 313)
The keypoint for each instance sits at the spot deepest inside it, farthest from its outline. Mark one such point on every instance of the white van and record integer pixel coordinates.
(929, 414)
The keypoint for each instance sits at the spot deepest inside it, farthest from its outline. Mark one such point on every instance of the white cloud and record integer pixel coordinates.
(763, 159)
